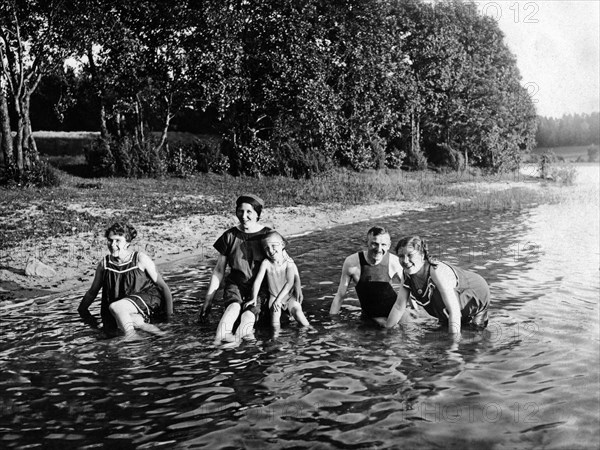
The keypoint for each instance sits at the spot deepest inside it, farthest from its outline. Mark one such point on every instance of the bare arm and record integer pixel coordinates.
(445, 281)
(345, 278)
(258, 280)
(396, 272)
(90, 296)
(298, 287)
(213, 287)
(146, 264)
(399, 308)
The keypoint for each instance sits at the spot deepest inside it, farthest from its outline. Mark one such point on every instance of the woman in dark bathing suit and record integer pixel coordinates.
(457, 297)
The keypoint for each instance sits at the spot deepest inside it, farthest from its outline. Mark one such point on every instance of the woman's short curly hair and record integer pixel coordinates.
(121, 229)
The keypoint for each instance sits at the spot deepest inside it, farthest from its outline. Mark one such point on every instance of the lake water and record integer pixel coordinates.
(530, 381)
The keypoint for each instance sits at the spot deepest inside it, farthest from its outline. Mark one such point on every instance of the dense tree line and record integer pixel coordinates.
(292, 87)
(569, 130)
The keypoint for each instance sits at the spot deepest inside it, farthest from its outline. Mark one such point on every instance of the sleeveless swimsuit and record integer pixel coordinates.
(127, 280)
(277, 277)
(471, 289)
(374, 287)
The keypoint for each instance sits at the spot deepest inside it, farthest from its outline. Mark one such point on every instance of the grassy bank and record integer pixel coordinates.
(88, 204)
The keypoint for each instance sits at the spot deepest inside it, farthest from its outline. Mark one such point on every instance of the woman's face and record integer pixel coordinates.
(411, 260)
(247, 216)
(117, 244)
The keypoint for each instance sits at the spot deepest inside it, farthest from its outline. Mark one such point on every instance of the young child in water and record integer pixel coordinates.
(283, 279)
(133, 291)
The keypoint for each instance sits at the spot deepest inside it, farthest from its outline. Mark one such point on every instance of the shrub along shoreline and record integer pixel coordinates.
(180, 217)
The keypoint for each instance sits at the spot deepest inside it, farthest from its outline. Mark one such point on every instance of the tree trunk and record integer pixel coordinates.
(104, 135)
(139, 122)
(415, 138)
(7, 142)
(18, 142)
(164, 134)
(102, 118)
(28, 141)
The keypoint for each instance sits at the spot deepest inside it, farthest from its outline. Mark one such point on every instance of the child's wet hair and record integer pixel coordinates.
(271, 234)
(121, 229)
(420, 245)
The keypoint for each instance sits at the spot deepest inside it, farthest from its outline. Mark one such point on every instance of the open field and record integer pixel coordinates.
(63, 143)
(570, 153)
(57, 143)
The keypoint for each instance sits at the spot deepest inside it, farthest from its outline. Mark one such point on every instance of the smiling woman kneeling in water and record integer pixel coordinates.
(133, 291)
(457, 297)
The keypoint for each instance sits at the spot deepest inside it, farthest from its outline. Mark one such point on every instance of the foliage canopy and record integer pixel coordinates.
(291, 87)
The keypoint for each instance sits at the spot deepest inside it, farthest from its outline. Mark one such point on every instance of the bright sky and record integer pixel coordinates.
(556, 44)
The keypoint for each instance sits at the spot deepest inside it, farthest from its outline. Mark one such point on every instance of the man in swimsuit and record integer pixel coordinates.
(372, 271)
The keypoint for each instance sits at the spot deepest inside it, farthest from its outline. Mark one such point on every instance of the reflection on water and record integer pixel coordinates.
(530, 380)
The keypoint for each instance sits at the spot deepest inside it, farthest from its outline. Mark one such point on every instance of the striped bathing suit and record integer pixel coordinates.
(127, 280)
(471, 289)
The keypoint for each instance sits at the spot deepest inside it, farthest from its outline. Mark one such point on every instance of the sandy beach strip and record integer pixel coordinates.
(171, 243)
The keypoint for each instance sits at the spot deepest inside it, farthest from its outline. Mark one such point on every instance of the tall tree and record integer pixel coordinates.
(134, 53)
(30, 45)
(472, 106)
(7, 141)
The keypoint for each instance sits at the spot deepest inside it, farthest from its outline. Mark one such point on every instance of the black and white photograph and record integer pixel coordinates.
(308, 224)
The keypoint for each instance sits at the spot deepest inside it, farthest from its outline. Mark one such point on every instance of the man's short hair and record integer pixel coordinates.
(377, 231)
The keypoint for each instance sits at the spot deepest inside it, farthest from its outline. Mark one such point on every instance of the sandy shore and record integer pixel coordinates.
(74, 257)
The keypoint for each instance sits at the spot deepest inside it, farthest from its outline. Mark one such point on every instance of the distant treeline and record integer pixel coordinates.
(571, 129)
(291, 87)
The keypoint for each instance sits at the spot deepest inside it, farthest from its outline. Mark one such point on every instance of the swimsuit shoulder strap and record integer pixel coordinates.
(361, 259)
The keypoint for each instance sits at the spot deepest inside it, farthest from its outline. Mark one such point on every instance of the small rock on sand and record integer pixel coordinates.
(36, 268)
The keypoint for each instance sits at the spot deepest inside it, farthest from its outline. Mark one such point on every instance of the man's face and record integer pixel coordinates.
(378, 246)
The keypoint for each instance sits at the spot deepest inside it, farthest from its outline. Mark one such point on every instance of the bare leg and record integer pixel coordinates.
(127, 316)
(298, 314)
(246, 327)
(225, 327)
(276, 318)
(276, 323)
(149, 328)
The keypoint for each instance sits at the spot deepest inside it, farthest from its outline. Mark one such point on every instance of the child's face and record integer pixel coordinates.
(274, 248)
(411, 260)
(117, 244)
(246, 215)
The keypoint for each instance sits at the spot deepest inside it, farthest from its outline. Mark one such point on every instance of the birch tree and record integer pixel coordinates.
(30, 35)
